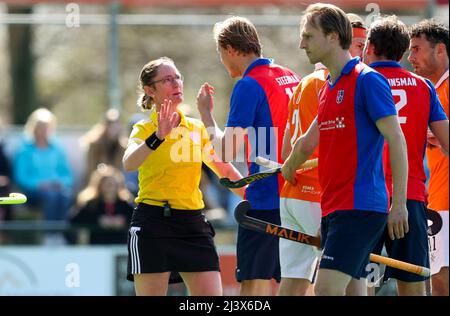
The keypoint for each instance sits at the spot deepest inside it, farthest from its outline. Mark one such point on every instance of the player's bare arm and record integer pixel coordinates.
(226, 170)
(286, 148)
(303, 148)
(226, 143)
(398, 215)
(431, 140)
(223, 169)
(440, 131)
(205, 106)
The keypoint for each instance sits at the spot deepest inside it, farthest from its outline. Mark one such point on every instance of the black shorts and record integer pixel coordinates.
(181, 242)
(348, 237)
(413, 248)
(258, 253)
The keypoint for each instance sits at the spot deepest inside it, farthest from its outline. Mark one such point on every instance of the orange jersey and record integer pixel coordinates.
(437, 161)
(302, 112)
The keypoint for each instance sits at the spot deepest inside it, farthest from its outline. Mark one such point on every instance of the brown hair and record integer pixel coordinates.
(148, 74)
(390, 37)
(97, 177)
(240, 34)
(356, 21)
(101, 148)
(331, 19)
(434, 31)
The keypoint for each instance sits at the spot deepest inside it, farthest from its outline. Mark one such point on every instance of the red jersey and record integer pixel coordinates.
(350, 145)
(417, 106)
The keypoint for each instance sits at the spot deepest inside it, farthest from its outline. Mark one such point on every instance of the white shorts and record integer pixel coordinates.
(298, 260)
(438, 240)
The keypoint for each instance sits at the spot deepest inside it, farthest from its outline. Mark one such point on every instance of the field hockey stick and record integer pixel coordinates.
(261, 161)
(226, 182)
(240, 213)
(308, 164)
(14, 198)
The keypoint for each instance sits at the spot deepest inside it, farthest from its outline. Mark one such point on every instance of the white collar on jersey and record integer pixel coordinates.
(444, 76)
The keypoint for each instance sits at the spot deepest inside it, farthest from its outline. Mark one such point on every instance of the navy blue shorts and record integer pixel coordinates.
(413, 248)
(257, 252)
(348, 237)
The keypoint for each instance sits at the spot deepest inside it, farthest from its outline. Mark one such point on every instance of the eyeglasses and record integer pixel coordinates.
(169, 80)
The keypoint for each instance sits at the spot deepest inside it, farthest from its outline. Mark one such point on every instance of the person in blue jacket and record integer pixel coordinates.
(41, 168)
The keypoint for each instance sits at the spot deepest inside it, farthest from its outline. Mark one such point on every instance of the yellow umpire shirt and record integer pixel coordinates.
(172, 172)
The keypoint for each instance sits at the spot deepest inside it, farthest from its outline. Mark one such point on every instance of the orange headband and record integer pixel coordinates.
(359, 32)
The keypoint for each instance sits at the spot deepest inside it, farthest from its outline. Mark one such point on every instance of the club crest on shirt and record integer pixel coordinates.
(340, 122)
(340, 96)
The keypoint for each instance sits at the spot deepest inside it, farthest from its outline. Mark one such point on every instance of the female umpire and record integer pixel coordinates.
(168, 232)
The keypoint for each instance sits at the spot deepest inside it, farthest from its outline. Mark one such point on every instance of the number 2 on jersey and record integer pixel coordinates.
(295, 122)
(295, 116)
(401, 103)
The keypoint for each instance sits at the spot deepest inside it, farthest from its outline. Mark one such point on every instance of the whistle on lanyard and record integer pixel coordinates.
(167, 210)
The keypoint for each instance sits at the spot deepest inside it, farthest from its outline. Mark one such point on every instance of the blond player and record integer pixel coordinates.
(300, 203)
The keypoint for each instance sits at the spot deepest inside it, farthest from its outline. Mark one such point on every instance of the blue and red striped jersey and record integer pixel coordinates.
(350, 148)
(417, 105)
(259, 103)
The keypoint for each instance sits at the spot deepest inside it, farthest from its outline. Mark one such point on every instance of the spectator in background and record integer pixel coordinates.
(5, 184)
(105, 143)
(105, 203)
(5, 180)
(42, 171)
